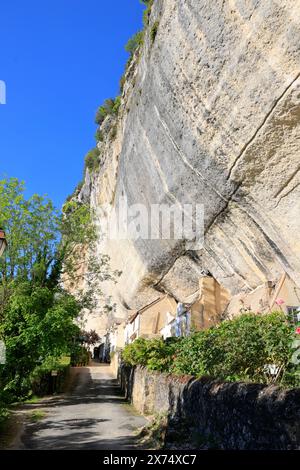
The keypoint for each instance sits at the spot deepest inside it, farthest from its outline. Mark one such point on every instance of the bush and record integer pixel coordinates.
(155, 354)
(110, 107)
(117, 104)
(41, 379)
(239, 349)
(92, 159)
(80, 357)
(104, 110)
(134, 42)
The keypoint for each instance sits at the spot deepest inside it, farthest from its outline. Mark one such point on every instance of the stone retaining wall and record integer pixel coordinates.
(223, 415)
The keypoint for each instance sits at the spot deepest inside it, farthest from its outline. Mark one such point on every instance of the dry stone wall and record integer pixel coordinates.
(216, 414)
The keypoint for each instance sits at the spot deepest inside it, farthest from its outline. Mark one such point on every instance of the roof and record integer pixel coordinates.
(152, 303)
(143, 309)
(132, 317)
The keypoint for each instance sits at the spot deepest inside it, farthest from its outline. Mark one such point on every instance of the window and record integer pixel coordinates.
(294, 314)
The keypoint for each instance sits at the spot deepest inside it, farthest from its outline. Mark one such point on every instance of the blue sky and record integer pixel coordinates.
(59, 59)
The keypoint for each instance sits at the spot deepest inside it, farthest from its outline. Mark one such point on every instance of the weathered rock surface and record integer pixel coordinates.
(210, 114)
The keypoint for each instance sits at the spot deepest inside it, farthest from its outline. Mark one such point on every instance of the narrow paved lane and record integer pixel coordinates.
(94, 416)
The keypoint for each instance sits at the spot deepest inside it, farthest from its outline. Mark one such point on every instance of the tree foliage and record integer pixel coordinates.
(90, 337)
(38, 324)
(31, 227)
(38, 316)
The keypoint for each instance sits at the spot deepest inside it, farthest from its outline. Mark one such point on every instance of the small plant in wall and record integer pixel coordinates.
(99, 135)
(153, 32)
(147, 12)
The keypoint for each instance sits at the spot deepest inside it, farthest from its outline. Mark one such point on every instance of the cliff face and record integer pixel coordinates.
(210, 113)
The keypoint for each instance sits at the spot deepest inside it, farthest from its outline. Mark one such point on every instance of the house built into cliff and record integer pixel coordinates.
(148, 321)
(165, 318)
(113, 341)
(282, 295)
(200, 311)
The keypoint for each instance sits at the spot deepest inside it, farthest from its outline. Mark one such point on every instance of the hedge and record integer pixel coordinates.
(249, 348)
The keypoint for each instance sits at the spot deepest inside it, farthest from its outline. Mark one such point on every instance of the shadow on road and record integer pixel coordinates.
(91, 416)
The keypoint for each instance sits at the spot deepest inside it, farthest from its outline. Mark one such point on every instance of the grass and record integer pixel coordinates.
(153, 435)
(32, 400)
(4, 416)
(36, 415)
(130, 408)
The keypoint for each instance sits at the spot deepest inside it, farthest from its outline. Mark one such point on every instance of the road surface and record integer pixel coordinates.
(94, 416)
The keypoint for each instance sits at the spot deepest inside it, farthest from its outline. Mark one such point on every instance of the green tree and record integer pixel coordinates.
(32, 230)
(37, 314)
(38, 324)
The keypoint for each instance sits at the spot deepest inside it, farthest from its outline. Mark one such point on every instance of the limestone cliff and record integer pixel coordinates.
(210, 113)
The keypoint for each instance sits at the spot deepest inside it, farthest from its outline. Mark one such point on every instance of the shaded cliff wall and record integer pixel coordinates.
(217, 414)
(210, 114)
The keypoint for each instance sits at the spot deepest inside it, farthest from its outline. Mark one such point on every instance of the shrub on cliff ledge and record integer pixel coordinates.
(92, 159)
(147, 12)
(106, 109)
(135, 42)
